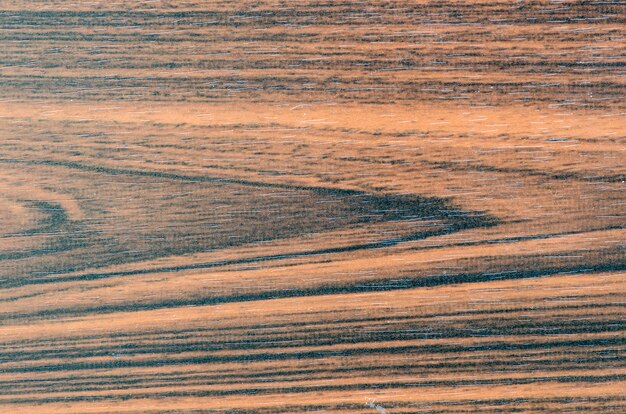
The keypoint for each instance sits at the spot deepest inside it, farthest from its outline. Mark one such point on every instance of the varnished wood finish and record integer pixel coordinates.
(298, 206)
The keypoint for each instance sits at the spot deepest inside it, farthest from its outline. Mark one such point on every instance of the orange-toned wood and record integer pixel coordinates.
(303, 206)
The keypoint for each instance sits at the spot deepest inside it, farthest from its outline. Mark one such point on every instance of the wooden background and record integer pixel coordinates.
(312, 206)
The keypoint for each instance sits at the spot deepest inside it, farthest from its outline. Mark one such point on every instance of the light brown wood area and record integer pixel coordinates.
(312, 206)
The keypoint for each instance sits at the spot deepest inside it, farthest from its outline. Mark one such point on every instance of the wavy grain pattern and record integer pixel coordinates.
(303, 206)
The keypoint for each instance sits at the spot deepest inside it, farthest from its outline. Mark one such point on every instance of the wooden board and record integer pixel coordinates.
(300, 206)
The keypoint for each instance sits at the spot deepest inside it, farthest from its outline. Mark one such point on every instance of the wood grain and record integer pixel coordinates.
(302, 206)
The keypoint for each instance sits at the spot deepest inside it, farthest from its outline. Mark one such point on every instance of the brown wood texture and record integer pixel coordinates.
(312, 206)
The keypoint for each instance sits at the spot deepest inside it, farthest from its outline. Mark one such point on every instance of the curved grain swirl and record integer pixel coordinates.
(281, 207)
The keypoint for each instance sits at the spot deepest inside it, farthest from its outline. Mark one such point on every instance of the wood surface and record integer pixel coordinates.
(312, 206)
